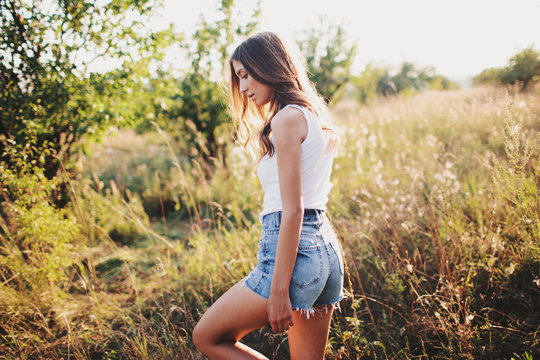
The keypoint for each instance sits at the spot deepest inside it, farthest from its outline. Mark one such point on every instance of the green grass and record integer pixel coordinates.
(435, 200)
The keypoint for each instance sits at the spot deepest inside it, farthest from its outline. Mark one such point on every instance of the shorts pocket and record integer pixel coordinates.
(308, 266)
(337, 249)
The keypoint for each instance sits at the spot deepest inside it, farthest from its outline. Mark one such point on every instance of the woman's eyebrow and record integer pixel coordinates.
(239, 70)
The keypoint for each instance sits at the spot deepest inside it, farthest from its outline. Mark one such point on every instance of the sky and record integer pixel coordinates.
(460, 38)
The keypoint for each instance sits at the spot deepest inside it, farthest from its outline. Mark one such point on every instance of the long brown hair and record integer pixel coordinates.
(267, 60)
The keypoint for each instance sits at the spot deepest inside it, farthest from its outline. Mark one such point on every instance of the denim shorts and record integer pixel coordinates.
(317, 277)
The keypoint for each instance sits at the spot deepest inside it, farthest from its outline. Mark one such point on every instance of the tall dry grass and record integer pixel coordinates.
(435, 201)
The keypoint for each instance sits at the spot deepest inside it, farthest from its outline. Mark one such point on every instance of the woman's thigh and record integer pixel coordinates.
(308, 337)
(236, 313)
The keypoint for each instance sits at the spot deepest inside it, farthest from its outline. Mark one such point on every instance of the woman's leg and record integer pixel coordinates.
(235, 314)
(307, 338)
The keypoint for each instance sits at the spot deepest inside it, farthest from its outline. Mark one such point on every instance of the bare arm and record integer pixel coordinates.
(289, 129)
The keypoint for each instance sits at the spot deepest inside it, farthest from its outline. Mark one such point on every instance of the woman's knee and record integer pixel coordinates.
(201, 340)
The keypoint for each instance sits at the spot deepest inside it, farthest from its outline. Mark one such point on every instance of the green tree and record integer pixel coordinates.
(378, 80)
(440, 82)
(193, 107)
(329, 56)
(365, 86)
(49, 100)
(523, 69)
(412, 78)
(490, 76)
(385, 84)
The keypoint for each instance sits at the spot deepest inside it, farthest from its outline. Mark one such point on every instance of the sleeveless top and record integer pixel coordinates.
(316, 169)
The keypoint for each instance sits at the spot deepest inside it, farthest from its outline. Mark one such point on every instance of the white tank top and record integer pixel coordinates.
(316, 169)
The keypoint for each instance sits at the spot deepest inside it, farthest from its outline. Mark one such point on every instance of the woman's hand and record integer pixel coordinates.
(280, 313)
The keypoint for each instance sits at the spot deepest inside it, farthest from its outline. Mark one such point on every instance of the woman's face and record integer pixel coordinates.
(256, 91)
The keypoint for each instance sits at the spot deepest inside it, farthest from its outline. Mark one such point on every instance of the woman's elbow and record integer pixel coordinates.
(295, 213)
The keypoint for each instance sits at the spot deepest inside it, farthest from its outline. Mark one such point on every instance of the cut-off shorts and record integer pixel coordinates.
(317, 277)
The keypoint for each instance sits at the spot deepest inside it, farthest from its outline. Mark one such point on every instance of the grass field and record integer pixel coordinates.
(435, 199)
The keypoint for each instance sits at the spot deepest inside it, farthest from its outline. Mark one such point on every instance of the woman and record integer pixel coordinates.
(299, 277)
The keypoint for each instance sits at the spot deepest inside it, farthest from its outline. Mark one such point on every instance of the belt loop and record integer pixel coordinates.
(278, 219)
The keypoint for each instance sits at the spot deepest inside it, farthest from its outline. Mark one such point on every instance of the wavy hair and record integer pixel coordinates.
(266, 58)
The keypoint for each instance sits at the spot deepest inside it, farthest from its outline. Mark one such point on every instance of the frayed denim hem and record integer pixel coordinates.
(320, 307)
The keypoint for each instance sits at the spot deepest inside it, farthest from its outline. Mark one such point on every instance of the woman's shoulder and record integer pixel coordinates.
(289, 119)
(288, 116)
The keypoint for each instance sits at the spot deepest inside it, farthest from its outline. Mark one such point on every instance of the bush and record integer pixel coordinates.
(192, 107)
(49, 100)
(523, 70)
(381, 81)
(37, 238)
(329, 57)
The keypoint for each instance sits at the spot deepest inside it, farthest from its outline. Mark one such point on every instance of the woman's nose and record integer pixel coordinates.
(243, 87)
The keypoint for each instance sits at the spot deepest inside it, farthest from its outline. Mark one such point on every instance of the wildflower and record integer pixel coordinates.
(410, 268)
(513, 130)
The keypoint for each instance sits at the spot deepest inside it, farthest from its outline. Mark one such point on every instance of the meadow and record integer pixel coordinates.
(435, 200)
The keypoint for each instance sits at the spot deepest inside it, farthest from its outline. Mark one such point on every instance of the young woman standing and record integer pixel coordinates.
(299, 276)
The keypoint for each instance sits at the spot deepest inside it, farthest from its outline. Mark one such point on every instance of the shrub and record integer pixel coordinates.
(37, 238)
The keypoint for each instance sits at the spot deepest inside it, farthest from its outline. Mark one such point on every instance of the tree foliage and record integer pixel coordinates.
(329, 57)
(36, 238)
(192, 107)
(523, 70)
(489, 76)
(366, 86)
(412, 77)
(409, 78)
(50, 100)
